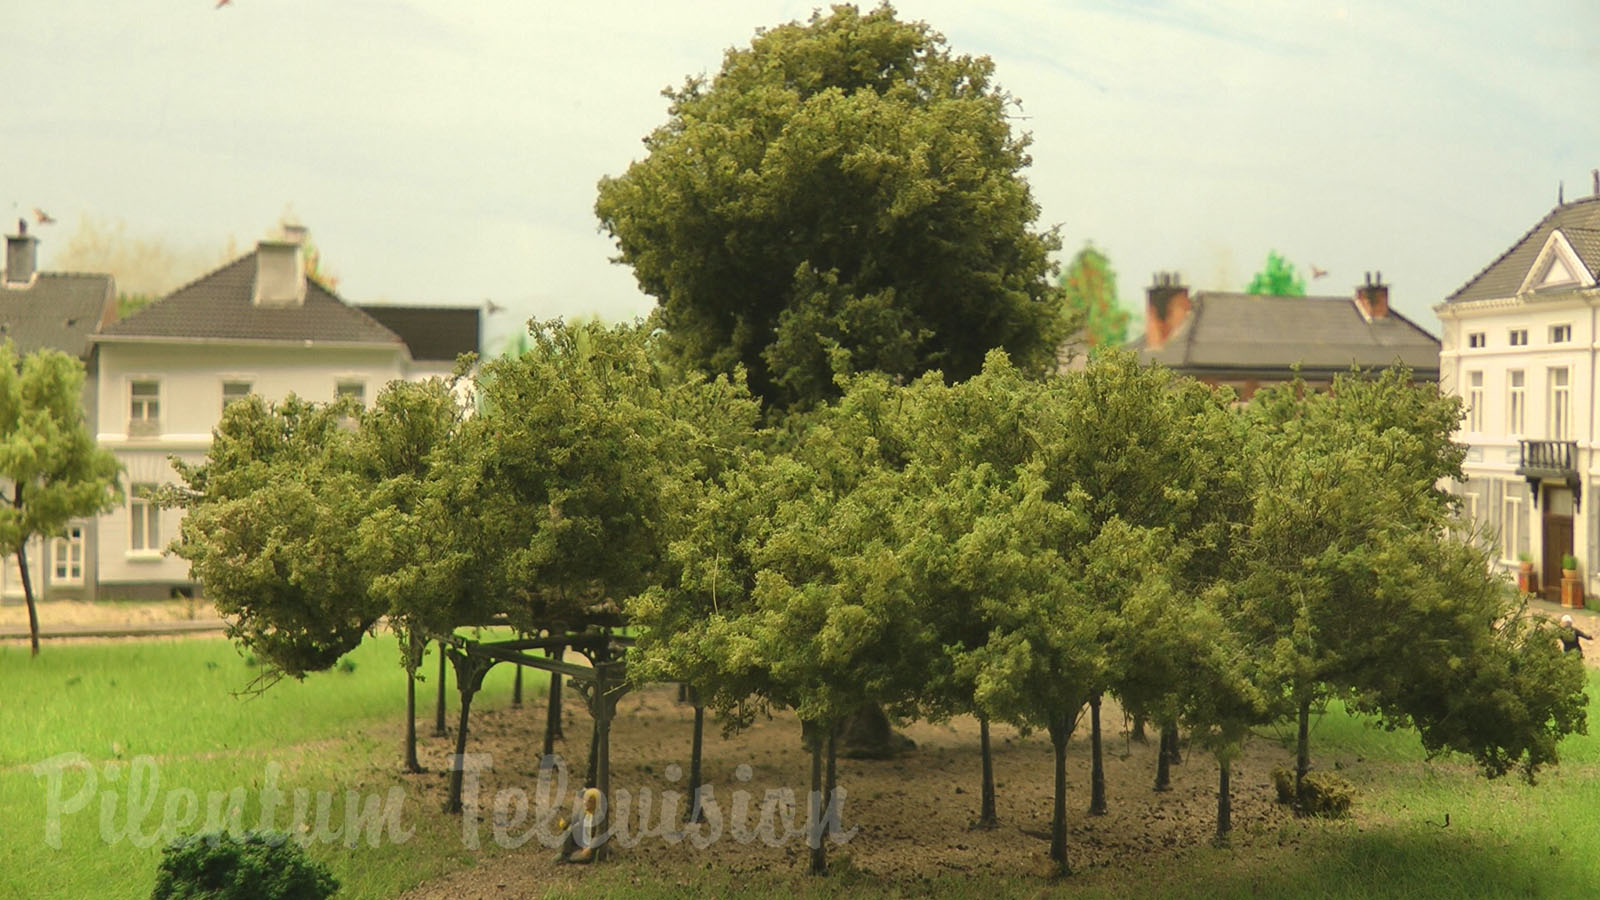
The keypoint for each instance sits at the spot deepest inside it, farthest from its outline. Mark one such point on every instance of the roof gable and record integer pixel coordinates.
(1557, 267)
(220, 307)
(1575, 227)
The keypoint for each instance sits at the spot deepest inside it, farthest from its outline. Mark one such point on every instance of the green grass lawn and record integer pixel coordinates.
(180, 702)
(188, 705)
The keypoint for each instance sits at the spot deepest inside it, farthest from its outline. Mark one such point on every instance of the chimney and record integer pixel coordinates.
(281, 270)
(1166, 305)
(1373, 297)
(22, 256)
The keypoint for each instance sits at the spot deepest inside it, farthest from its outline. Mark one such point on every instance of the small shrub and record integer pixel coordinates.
(347, 665)
(253, 866)
(1321, 793)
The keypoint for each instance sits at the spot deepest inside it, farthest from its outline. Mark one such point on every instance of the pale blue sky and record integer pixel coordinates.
(448, 152)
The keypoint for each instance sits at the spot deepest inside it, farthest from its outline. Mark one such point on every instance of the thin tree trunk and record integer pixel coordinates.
(516, 688)
(1138, 730)
(412, 765)
(27, 590)
(438, 706)
(1224, 803)
(1164, 763)
(695, 750)
(466, 687)
(1174, 745)
(1097, 769)
(819, 852)
(986, 813)
(1302, 749)
(1058, 817)
(603, 749)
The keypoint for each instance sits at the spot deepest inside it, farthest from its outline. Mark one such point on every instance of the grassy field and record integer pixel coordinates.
(187, 706)
(179, 702)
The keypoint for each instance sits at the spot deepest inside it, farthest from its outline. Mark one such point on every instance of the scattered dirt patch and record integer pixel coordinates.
(915, 815)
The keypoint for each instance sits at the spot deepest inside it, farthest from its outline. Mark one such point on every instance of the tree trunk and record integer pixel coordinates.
(819, 852)
(1058, 817)
(516, 688)
(603, 749)
(412, 765)
(1174, 745)
(1164, 763)
(27, 590)
(986, 813)
(467, 687)
(1302, 749)
(694, 758)
(1097, 770)
(438, 707)
(1138, 730)
(1224, 804)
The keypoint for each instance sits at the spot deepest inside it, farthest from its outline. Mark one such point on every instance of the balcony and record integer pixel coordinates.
(1551, 461)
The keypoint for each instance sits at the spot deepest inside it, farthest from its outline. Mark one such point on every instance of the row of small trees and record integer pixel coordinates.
(1008, 546)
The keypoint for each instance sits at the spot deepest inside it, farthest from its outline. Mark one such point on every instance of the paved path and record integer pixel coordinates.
(115, 629)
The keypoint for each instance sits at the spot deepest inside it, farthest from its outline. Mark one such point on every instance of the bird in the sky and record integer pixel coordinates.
(43, 217)
(492, 307)
(222, 3)
(1317, 273)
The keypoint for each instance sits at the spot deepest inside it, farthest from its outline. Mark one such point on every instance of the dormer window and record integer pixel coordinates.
(1557, 267)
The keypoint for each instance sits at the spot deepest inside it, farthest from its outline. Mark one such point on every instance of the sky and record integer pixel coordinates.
(448, 152)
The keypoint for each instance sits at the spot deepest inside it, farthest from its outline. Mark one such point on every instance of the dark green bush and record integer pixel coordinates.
(253, 866)
(1321, 793)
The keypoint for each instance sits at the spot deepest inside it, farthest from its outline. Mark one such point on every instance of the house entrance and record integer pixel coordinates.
(1557, 540)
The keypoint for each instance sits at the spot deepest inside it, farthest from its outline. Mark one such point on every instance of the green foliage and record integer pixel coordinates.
(1089, 296)
(1277, 278)
(128, 304)
(252, 866)
(1569, 562)
(844, 196)
(1321, 793)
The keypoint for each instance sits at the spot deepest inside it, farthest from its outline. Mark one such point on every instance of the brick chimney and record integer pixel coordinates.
(1373, 297)
(281, 270)
(1166, 305)
(22, 256)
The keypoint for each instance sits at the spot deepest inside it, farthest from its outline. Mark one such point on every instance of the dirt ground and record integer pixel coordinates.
(915, 815)
(77, 612)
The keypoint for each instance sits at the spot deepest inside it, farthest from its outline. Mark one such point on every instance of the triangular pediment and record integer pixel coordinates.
(1557, 266)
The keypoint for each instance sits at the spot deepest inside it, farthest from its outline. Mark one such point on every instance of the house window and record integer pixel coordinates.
(1510, 528)
(1560, 419)
(144, 519)
(1516, 402)
(1560, 334)
(1477, 339)
(1475, 401)
(144, 408)
(356, 389)
(233, 392)
(1519, 337)
(66, 555)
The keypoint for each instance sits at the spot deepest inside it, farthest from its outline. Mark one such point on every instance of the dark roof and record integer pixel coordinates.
(57, 310)
(1579, 222)
(434, 333)
(219, 307)
(1226, 331)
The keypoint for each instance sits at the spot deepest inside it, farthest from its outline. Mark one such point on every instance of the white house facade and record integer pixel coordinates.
(1519, 347)
(258, 326)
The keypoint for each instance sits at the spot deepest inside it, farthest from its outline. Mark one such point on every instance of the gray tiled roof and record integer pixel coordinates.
(1579, 222)
(1250, 332)
(58, 310)
(219, 307)
(433, 333)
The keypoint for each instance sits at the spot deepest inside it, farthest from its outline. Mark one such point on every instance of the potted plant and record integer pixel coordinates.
(1527, 582)
(1571, 584)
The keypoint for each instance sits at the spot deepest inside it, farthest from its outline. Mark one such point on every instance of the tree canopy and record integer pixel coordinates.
(1277, 278)
(1089, 294)
(845, 195)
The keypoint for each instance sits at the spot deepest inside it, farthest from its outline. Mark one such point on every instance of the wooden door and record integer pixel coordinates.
(1557, 540)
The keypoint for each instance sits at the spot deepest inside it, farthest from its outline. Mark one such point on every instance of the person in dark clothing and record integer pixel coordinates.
(1570, 636)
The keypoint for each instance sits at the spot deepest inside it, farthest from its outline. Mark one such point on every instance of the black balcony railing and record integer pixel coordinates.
(1549, 456)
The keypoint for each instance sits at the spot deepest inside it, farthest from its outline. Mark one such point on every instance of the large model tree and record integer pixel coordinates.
(845, 195)
(1089, 296)
(50, 469)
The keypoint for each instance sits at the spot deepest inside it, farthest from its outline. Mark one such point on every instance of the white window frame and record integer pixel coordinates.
(144, 411)
(1558, 417)
(1518, 337)
(351, 387)
(1560, 334)
(1477, 340)
(1516, 402)
(66, 557)
(144, 521)
(1475, 401)
(1510, 527)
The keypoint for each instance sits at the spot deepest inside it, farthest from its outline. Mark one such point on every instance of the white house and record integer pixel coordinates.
(257, 325)
(1519, 347)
